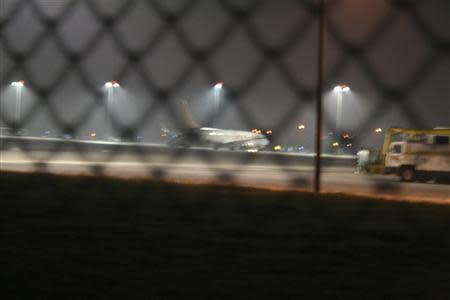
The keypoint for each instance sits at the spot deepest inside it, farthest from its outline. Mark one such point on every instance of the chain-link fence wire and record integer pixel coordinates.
(393, 54)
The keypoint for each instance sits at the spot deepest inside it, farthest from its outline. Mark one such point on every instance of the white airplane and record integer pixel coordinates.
(194, 135)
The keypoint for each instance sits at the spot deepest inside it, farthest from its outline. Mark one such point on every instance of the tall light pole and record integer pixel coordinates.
(340, 90)
(217, 88)
(110, 86)
(18, 85)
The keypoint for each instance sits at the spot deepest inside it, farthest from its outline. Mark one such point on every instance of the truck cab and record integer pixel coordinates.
(419, 159)
(398, 162)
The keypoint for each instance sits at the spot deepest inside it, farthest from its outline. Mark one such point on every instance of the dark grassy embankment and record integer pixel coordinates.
(94, 238)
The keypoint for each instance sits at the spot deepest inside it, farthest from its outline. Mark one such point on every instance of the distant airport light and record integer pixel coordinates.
(346, 136)
(342, 88)
(301, 126)
(269, 131)
(93, 134)
(277, 148)
(218, 85)
(111, 84)
(335, 144)
(20, 83)
(378, 130)
(349, 145)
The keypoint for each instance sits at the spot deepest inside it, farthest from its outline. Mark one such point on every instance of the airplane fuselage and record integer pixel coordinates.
(216, 138)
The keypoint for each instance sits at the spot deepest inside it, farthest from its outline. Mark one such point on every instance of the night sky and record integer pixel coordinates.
(395, 58)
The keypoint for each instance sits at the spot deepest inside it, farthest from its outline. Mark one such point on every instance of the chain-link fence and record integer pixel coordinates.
(394, 56)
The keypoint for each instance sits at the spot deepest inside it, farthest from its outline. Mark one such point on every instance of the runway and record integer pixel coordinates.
(335, 179)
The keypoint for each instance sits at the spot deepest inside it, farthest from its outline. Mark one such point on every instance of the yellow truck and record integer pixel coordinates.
(419, 155)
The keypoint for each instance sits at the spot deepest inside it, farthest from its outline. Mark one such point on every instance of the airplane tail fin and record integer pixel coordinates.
(186, 117)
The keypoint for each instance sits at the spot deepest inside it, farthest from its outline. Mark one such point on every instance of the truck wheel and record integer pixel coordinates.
(407, 174)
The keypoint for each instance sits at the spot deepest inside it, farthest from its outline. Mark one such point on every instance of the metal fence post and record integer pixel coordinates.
(318, 142)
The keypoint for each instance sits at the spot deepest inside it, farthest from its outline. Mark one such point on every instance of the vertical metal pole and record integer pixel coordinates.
(216, 99)
(109, 122)
(111, 110)
(320, 73)
(18, 103)
(339, 112)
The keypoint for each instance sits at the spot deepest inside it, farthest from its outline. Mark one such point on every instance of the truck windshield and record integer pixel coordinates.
(396, 149)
